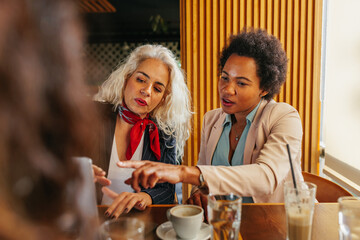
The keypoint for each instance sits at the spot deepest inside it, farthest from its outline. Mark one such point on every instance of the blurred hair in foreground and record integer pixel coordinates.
(43, 119)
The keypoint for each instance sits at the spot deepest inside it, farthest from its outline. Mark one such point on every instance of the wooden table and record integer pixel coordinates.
(258, 221)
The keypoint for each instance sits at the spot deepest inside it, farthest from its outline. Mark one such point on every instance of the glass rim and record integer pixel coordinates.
(110, 221)
(351, 198)
(106, 228)
(231, 195)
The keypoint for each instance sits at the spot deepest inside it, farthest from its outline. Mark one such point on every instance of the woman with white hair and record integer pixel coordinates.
(145, 104)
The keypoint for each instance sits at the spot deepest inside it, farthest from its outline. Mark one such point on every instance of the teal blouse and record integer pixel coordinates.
(221, 154)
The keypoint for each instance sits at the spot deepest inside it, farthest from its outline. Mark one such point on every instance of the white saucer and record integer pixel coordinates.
(166, 232)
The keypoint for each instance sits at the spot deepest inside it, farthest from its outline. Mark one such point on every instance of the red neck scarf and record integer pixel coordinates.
(137, 131)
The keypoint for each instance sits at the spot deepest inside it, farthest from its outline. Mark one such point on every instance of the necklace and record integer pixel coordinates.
(238, 135)
(240, 130)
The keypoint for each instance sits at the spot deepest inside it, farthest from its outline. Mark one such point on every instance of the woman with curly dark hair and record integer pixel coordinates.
(266, 51)
(243, 143)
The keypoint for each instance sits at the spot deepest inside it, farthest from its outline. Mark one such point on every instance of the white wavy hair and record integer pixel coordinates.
(173, 114)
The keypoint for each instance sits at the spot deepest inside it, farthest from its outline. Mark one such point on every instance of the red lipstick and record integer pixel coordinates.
(140, 102)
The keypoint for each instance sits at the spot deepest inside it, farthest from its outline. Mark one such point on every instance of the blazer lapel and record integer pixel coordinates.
(214, 137)
(147, 153)
(252, 134)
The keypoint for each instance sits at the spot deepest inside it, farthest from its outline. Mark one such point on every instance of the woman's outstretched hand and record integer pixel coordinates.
(148, 173)
(125, 201)
(99, 176)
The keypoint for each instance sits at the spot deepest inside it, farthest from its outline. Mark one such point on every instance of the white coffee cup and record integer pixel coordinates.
(186, 220)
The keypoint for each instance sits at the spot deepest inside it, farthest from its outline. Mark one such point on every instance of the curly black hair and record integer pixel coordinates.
(266, 50)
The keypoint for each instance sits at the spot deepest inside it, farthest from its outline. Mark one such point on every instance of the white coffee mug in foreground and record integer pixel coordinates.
(186, 220)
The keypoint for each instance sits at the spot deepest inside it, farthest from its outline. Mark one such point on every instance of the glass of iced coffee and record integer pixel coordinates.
(299, 206)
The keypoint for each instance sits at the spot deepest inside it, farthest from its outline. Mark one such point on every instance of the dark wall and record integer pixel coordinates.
(131, 22)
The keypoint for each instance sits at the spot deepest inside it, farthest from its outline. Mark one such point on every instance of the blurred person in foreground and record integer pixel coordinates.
(243, 143)
(43, 116)
(145, 109)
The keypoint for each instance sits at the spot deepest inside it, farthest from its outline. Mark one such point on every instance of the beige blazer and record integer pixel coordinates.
(266, 163)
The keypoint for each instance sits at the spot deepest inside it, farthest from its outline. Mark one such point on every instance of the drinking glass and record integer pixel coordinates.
(299, 208)
(124, 228)
(349, 218)
(224, 212)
